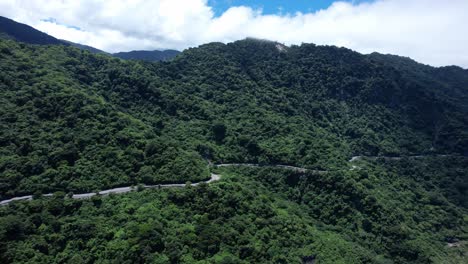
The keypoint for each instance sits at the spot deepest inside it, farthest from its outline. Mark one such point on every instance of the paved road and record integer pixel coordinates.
(214, 177)
(299, 169)
(356, 158)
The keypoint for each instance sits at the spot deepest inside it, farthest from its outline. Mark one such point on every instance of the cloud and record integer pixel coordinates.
(430, 31)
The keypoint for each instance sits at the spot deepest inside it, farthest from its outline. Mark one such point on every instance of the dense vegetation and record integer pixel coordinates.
(58, 135)
(253, 215)
(72, 121)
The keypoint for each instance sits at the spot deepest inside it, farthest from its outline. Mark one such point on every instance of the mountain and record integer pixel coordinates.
(155, 55)
(24, 33)
(10, 29)
(76, 122)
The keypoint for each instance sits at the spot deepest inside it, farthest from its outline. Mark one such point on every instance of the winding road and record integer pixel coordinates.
(293, 168)
(356, 158)
(214, 177)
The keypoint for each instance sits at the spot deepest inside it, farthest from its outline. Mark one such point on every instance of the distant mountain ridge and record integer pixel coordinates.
(84, 47)
(24, 33)
(10, 29)
(155, 55)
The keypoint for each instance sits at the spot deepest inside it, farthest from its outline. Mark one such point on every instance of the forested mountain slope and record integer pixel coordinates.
(247, 101)
(59, 133)
(73, 121)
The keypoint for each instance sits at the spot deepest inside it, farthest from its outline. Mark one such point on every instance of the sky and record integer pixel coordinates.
(430, 31)
(275, 6)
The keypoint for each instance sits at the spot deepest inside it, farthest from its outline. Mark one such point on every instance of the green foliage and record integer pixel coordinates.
(72, 122)
(412, 226)
(59, 135)
(75, 121)
(227, 223)
(254, 215)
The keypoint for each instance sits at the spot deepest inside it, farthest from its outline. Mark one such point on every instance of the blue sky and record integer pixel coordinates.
(276, 6)
(430, 31)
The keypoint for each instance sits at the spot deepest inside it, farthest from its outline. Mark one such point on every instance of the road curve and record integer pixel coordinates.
(214, 177)
(119, 190)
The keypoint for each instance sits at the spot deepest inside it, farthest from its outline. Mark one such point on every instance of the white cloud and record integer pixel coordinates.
(430, 31)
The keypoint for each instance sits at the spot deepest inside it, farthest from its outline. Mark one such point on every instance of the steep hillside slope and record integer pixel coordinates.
(375, 108)
(57, 133)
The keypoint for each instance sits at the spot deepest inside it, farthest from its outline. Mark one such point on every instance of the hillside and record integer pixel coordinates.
(73, 121)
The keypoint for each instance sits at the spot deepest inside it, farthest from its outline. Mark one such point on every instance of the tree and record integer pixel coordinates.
(219, 132)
